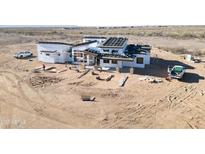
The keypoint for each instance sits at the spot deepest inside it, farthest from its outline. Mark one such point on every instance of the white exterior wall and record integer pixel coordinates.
(54, 57)
(132, 64)
(47, 59)
(146, 61)
(146, 58)
(119, 64)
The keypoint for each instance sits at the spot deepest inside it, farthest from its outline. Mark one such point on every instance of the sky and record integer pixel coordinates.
(102, 12)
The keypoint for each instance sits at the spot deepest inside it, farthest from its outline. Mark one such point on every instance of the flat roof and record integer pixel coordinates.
(84, 43)
(49, 42)
(118, 58)
(49, 51)
(115, 42)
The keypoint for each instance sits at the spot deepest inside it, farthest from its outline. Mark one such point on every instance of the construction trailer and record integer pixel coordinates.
(54, 52)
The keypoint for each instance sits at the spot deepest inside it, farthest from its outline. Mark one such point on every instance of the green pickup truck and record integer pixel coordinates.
(176, 71)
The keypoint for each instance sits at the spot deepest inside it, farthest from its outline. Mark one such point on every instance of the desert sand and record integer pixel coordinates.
(28, 102)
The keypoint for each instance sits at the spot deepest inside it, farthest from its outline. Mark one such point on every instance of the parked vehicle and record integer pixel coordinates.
(23, 54)
(176, 71)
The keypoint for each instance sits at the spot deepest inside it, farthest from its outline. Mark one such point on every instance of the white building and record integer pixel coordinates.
(54, 52)
(119, 54)
(112, 52)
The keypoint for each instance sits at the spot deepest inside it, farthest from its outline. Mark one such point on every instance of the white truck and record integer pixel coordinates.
(23, 54)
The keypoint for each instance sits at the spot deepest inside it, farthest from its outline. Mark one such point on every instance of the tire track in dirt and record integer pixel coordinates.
(39, 107)
(183, 98)
(180, 95)
(133, 116)
(137, 115)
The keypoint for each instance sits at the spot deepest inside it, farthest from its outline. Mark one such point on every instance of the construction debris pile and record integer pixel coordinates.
(43, 81)
(150, 79)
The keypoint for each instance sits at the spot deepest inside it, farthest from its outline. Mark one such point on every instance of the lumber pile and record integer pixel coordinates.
(93, 73)
(41, 81)
(63, 70)
(151, 79)
(50, 68)
(37, 70)
(83, 74)
(109, 77)
(99, 78)
(122, 81)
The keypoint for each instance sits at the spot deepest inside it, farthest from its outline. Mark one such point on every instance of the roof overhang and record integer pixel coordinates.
(91, 53)
(60, 43)
(49, 51)
(118, 58)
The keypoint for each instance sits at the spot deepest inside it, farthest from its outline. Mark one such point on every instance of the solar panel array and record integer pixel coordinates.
(115, 42)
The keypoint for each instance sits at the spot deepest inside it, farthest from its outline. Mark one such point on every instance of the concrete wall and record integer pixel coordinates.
(46, 53)
(146, 58)
(132, 64)
(48, 59)
(146, 61)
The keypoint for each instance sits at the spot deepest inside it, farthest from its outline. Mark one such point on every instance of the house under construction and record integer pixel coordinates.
(104, 52)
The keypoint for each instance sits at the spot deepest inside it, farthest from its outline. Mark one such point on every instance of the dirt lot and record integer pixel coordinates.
(53, 100)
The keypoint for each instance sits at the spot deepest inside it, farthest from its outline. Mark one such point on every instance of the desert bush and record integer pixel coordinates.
(181, 50)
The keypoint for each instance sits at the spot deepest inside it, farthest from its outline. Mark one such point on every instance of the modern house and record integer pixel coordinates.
(111, 52)
(54, 52)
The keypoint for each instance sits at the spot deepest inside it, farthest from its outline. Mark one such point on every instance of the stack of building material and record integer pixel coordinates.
(122, 81)
(109, 77)
(150, 79)
(63, 70)
(99, 78)
(83, 74)
(93, 73)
